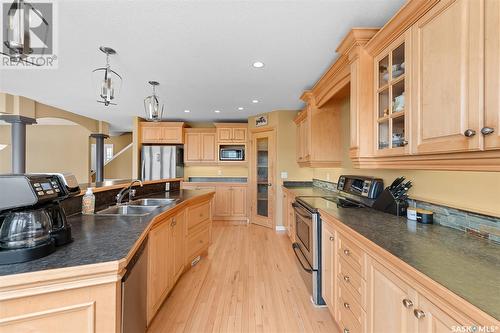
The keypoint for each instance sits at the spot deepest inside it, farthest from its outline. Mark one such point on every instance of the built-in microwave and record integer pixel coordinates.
(232, 153)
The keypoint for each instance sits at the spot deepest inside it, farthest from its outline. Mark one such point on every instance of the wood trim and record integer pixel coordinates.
(421, 282)
(231, 125)
(335, 78)
(356, 37)
(162, 124)
(200, 130)
(398, 24)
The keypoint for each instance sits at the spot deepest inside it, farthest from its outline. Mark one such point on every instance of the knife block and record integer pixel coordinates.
(388, 204)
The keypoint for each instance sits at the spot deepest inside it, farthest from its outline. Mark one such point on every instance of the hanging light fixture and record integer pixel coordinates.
(108, 81)
(17, 27)
(152, 105)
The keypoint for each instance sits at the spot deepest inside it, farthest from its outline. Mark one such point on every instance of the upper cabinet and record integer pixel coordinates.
(162, 132)
(231, 133)
(447, 78)
(318, 134)
(199, 146)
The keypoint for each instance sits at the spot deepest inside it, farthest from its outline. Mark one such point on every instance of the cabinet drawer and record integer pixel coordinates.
(351, 280)
(351, 315)
(198, 214)
(198, 242)
(351, 253)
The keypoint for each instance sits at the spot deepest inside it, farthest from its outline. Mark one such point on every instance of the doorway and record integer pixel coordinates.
(262, 176)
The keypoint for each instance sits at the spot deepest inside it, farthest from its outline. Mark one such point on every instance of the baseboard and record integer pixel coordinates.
(280, 228)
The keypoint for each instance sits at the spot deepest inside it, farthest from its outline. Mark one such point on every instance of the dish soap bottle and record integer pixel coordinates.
(88, 202)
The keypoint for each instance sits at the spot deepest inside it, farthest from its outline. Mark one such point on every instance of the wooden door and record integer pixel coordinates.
(151, 134)
(263, 169)
(239, 135)
(386, 298)
(192, 147)
(223, 201)
(328, 271)
(224, 134)
(158, 265)
(432, 319)
(447, 78)
(178, 241)
(491, 129)
(208, 153)
(238, 201)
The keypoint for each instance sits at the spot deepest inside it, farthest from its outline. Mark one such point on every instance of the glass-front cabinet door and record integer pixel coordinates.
(262, 145)
(392, 102)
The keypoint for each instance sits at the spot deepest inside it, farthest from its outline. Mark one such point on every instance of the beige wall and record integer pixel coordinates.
(119, 167)
(51, 148)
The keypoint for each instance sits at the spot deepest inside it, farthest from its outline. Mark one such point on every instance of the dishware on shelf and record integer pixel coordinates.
(399, 103)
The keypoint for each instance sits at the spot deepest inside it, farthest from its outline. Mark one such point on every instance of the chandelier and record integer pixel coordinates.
(108, 81)
(152, 105)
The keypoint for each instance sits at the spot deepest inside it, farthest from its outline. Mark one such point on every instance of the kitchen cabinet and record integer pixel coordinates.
(288, 213)
(223, 201)
(162, 132)
(199, 230)
(200, 147)
(392, 72)
(177, 248)
(231, 133)
(431, 319)
(318, 134)
(447, 78)
(491, 128)
(328, 272)
(238, 201)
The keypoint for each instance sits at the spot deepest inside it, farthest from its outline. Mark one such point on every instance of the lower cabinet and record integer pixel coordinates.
(288, 214)
(328, 262)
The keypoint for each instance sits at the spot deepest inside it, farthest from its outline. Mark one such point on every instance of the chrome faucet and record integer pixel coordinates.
(129, 190)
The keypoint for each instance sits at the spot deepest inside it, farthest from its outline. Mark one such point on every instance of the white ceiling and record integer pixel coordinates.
(200, 51)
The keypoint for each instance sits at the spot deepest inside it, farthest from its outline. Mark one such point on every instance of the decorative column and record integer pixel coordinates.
(99, 155)
(18, 140)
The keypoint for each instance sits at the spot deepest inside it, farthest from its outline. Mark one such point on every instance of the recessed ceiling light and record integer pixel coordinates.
(187, 111)
(255, 101)
(241, 108)
(217, 111)
(258, 64)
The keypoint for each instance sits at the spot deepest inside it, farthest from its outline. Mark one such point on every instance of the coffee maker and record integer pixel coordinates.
(32, 221)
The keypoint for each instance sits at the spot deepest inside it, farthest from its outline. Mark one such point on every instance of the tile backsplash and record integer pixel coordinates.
(329, 186)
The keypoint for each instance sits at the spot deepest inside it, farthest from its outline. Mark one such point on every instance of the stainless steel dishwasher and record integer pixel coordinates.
(134, 291)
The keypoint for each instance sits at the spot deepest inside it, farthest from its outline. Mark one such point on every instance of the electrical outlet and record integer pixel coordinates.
(219, 172)
(284, 175)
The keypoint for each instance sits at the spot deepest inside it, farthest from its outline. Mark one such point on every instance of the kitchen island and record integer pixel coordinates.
(78, 288)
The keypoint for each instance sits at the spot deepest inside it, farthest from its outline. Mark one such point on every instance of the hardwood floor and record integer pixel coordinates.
(248, 283)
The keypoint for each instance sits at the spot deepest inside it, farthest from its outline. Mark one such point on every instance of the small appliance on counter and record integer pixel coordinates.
(32, 221)
(162, 162)
(358, 191)
(393, 199)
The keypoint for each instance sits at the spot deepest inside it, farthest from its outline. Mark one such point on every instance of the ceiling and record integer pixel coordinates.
(201, 52)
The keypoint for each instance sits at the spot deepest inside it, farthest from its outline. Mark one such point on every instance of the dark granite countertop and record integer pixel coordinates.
(99, 238)
(466, 265)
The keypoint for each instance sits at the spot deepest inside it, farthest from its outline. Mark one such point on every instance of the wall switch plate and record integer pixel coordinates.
(167, 187)
(284, 175)
(219, 172)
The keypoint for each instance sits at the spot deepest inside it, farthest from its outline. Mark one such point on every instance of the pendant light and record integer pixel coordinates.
(18, 31)
(108, 81)
(152, 105)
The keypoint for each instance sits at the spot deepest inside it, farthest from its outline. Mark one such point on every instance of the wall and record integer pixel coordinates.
(474, 191)
(120, 167)
(51, 148)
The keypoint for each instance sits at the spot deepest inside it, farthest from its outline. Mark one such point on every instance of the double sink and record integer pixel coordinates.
(140, 207)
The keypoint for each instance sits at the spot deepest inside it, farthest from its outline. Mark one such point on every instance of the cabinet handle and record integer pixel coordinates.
(405, 142)
(407, 303)
(346, 330)
(173, 223)
(347, 278)
(469, 133)
(347, 252)
(419, 313)
(487, 130)
(346, 305)
(332, 238)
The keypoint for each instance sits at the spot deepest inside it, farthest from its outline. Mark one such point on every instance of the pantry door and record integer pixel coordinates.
(263, 171)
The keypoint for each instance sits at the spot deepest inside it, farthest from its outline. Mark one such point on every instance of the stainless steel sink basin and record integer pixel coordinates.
(153, 202)
(128, 210)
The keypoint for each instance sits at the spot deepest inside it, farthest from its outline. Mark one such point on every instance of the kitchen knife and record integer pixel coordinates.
(396, 182)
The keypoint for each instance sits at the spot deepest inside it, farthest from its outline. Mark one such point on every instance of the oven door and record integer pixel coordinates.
(304, 233)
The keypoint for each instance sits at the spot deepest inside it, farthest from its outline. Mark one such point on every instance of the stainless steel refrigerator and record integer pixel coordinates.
(161, 162)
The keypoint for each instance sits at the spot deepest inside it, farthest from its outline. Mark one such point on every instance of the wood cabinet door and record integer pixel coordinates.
(223, 201)
(178, 242)
(224, 134)
(208, 153)
(172, 135)
(328, 271)
(386, 294)
(492, 75)
(238, 201)
(447, 78)
(239, 135)
(151, 134)
(192, 147)
(434, 320)
(158, 265)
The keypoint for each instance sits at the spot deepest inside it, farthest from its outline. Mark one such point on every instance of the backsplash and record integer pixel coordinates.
(479, 225)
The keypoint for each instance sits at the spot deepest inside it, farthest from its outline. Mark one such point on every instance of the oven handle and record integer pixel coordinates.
(298, 209)
(296, 246)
